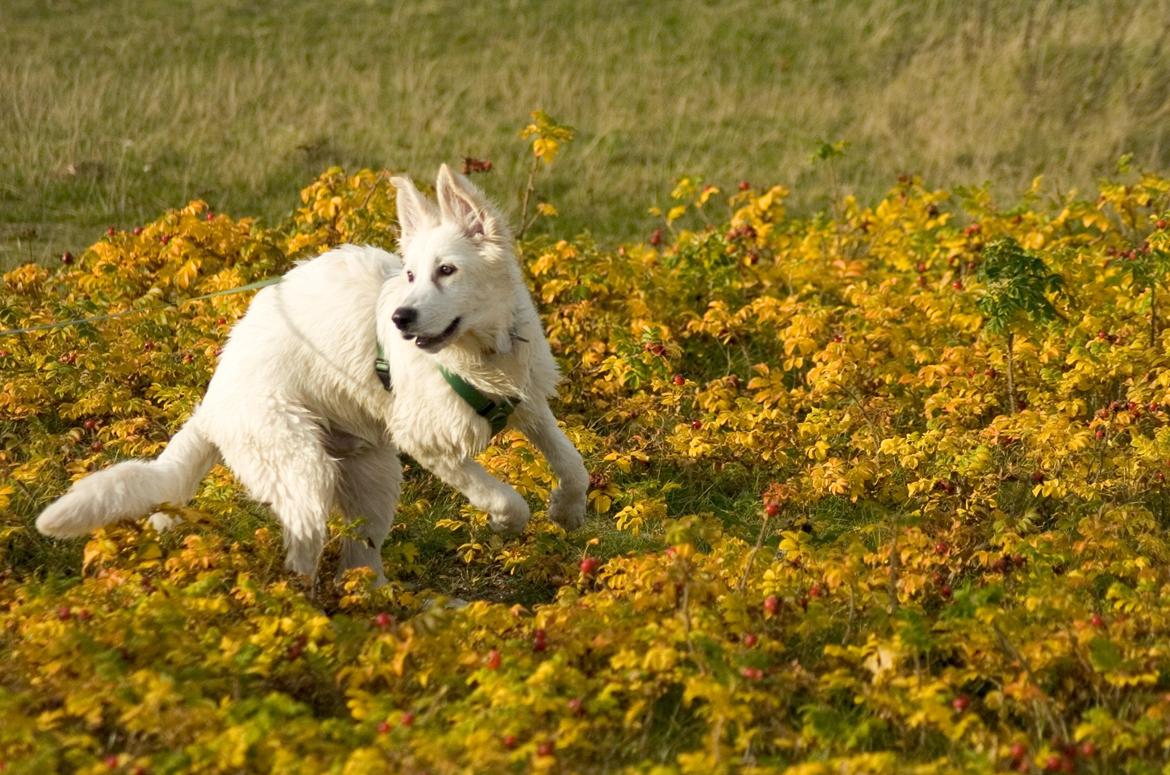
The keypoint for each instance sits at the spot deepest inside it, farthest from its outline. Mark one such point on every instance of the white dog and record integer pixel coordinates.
(299, 413)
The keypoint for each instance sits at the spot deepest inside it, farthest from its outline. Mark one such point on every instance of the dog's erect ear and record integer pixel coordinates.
(415, 211)
(461, 202)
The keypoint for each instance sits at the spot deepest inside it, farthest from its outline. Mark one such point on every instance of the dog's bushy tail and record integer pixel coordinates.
(133, 488)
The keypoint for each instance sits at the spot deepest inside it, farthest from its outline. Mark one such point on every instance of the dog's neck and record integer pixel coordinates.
(479, 358)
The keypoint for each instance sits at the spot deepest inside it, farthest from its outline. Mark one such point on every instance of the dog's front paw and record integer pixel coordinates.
(566, 509)
(511, 516)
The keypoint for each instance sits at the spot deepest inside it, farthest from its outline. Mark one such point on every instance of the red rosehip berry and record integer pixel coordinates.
(493, 660)
(111, 761)
(137, 230)
(539, 640)
(1018, 751)
(90, 424)
(64, 613)
(961, 703)
(771, 508)
(407, 719)
(751, 673)
(815, 591)
(576, 707)
(546, 748)
(772, 605)
(96, 446)
(1088, 748)
(510, 741)
(589, 565)
(696, 424)
(656, 237)
(383, 621)
(1053, 762)
(1097, 621)
(744, 186)
(941, 548)
(210, 216)
(957, 285)
(750, 639)
(679, 379)
(383, 727)
(1161, 223)
(111, 231)
(945, 591)
(66, 257)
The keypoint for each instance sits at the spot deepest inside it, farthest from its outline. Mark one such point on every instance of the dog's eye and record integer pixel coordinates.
(446, 270)
(410, 277)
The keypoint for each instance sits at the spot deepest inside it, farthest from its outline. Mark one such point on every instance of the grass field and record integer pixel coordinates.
(113, 111)
(877, 485)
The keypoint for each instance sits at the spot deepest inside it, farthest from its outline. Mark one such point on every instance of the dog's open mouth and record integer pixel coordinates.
(433, 343)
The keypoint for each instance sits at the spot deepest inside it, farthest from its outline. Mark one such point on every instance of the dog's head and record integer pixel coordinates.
(459, 268)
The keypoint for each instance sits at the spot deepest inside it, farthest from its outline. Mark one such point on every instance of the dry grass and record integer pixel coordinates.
(110, 112)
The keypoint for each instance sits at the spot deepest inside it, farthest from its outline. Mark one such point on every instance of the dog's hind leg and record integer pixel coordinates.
(367, 490)
(277, 452)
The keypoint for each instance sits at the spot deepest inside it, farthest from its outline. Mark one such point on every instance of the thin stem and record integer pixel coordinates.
(1011, 372)
(529, 189)
(1153, 313)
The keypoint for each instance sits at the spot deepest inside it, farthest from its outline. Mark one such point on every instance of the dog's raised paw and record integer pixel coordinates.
(567, 510)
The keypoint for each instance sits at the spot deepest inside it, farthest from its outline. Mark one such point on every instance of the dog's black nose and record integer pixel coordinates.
(404, 317)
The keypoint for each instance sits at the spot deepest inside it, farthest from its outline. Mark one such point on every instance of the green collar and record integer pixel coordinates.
(495, 413)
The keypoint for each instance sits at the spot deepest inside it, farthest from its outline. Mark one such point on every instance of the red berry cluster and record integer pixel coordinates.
(743, 232)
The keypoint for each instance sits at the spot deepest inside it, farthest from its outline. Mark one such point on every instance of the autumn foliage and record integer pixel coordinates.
(827, 533)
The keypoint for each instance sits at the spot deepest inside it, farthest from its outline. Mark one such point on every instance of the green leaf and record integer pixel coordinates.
(1104, 654)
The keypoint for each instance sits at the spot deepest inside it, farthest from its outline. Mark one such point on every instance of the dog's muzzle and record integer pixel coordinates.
(436, 342)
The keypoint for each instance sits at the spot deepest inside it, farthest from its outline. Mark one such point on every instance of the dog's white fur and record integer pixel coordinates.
(297, 412)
